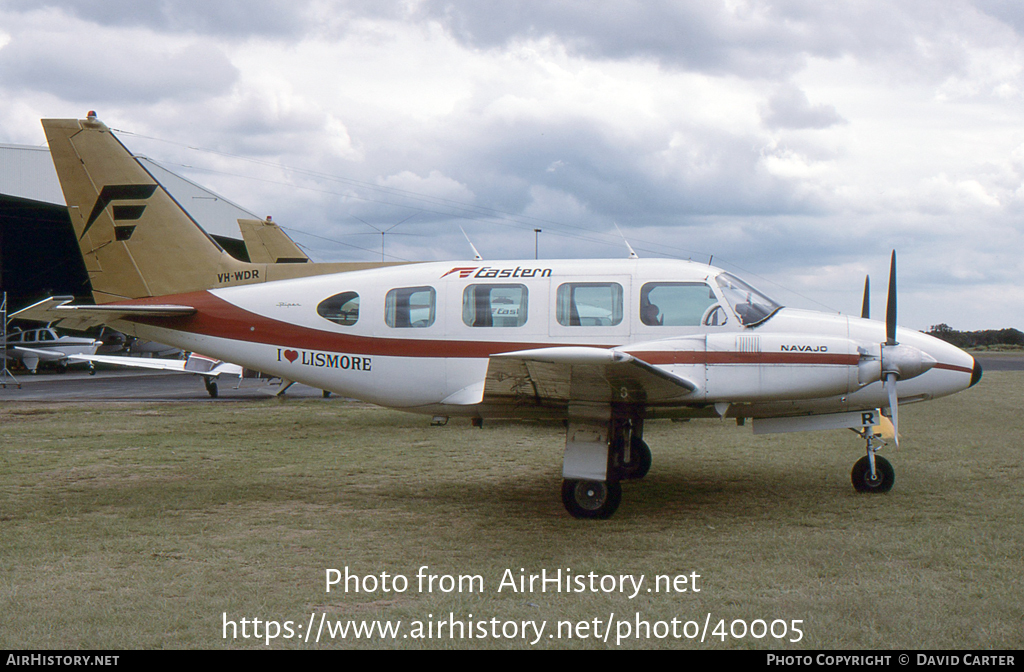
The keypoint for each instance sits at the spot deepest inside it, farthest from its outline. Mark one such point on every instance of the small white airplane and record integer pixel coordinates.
(33, 346)
(605, 345)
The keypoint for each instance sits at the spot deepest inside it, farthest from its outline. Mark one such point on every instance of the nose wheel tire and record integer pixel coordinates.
(591, 499)
(883, 479)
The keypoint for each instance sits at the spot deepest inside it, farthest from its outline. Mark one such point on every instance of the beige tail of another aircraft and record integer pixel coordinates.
(267, 243)
(137, 241)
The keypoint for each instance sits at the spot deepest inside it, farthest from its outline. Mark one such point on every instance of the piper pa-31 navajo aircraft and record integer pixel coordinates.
(604, 344)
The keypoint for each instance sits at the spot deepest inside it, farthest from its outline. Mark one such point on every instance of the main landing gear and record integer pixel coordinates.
(597, 459)
(873, 473)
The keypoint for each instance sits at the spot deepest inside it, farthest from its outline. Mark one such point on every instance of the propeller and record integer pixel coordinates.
(899, 362)
(890, 304)
(891, 376)
(865, 308)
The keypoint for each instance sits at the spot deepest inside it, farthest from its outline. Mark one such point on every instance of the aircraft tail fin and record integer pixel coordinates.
(135, 239)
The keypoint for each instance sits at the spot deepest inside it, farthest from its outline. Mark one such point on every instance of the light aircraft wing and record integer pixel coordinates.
(84, 317)
(558, 375)
(19, 352)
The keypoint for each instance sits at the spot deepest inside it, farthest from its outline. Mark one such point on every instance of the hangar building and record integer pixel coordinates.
(39, 256)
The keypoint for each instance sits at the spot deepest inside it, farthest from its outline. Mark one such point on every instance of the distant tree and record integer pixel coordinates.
(977, 339)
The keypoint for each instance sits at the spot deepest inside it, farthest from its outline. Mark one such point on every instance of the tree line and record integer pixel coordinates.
(977, 339)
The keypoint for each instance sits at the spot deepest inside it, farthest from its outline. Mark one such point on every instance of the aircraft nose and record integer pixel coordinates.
(975, 373)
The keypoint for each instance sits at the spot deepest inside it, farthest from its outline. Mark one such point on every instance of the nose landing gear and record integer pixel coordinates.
(873, 473)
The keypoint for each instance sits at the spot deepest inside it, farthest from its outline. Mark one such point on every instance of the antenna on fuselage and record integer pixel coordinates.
(476, 254)
(632, 253)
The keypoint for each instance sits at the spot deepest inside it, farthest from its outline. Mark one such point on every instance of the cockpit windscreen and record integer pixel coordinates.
(751, 306)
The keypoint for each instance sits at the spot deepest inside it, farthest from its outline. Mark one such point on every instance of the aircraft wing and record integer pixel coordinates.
(558, 375)
(56, 309)
(18, 352)
(199, 364)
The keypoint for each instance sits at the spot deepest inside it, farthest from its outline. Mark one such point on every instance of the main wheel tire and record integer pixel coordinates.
(884, 478)
(591, 499)
(211, 388)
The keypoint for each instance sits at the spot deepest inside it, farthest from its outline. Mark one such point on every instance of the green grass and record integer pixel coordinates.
(138, 525)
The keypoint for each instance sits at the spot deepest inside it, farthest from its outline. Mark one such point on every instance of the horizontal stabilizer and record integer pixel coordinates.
(56, 309)
(197, 364)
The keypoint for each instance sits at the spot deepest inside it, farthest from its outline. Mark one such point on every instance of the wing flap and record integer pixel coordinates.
(558, 375)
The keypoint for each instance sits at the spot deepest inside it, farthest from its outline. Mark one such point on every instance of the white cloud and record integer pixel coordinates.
(781, 136)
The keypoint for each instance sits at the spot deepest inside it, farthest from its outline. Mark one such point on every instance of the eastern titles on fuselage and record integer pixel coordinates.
(489, 272)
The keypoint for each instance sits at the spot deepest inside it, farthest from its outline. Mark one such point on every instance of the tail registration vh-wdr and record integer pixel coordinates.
(603, 344)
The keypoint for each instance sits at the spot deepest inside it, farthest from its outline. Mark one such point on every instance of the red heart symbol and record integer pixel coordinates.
(291, 355)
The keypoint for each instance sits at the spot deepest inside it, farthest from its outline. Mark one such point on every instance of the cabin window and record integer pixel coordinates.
(589, 304)
(341, 309)
(46, 335)
(410, 307)
(494, 305)
(679, 304)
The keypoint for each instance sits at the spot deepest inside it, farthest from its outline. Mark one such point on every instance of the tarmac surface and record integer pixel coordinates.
(121, 386)
(126, 385)
(1010, 361)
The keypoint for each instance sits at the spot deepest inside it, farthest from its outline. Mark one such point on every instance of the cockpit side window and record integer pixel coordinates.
(341, 309)
(679, 304)
(410, 307)
(751, 306)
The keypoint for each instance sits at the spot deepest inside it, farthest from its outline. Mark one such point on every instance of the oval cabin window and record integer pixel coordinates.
(341, 309)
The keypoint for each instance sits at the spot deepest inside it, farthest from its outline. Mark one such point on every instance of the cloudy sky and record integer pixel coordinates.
(797, 141)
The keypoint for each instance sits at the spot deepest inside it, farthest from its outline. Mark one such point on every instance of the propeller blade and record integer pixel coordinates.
(865, 309)
(894, 405)
(890, 306)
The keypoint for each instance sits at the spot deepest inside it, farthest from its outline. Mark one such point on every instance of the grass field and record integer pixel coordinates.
(141, 525)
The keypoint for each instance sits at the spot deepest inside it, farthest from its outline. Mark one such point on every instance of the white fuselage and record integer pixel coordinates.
(416, 336)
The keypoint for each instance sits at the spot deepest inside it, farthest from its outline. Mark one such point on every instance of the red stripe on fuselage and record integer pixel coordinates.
(702, 357)
(951, 367)
(221, 319)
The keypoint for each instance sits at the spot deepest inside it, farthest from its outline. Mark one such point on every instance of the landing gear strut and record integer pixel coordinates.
(630, 454)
